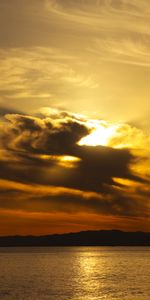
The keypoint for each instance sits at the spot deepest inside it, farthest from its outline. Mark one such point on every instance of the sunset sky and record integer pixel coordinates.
(74, 115)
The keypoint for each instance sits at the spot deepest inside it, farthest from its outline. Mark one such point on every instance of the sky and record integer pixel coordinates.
(74, 116)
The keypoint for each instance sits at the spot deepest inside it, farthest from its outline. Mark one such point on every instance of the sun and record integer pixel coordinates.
(102, 135)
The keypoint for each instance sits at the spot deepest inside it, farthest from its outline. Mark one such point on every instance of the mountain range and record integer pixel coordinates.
(83, 238)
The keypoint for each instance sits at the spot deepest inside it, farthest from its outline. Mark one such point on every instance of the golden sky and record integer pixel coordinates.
(74, 115)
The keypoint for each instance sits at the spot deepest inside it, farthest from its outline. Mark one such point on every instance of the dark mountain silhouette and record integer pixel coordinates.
(83, 238)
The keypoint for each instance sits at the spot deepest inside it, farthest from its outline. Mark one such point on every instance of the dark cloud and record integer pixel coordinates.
(33, 135)
(112, 203)
(27, 136)
(33, 148)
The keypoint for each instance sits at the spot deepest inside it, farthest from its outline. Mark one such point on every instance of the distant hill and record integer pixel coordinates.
(83, 238)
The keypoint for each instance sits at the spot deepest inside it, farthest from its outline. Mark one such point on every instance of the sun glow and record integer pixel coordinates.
(101, 135)
(66, 161)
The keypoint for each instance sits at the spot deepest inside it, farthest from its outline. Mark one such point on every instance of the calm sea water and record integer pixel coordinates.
(75, 273)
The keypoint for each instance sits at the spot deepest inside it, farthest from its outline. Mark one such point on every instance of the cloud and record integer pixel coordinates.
(96, 44)
(43, 169)
(83, 56)
(87, 12)
(49, 199)
(34, 73)
(44, 136)
(131, 50)
(31, 137)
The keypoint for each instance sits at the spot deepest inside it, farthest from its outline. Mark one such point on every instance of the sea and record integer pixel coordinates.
(75, 273)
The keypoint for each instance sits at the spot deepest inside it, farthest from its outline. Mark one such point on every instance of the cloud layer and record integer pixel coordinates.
(93, 54)
(44, 170)
(80, 56)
